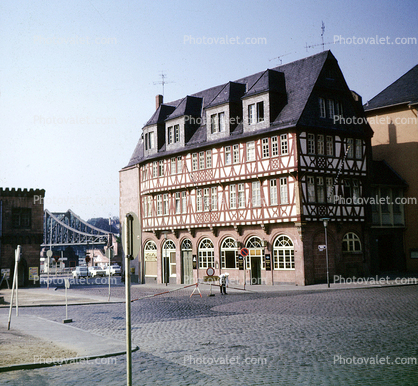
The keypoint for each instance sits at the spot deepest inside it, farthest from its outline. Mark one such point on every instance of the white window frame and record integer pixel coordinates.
(214, 198)
(228, 157)
(284, 193)
(183, 202)
(235, 154)
(274, 146)
(173, 166)
(250, 151)
(284, 145)
(232, 196)
(265, 148)
(198, 200)
(241, 196)
(252, 119)
(256, 194)
(179, 165)
(283, 253)
(176, 133)
(208, 159)
(273, 192)
(206, 253)
(194, 162)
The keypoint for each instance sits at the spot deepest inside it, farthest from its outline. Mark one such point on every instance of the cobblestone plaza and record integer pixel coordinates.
(306, 337)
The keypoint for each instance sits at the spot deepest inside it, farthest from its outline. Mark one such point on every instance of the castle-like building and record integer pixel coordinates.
(21, 223)
(256, 164)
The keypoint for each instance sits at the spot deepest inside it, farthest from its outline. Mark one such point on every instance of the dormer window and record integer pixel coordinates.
(176, 133)
(255, 113)
(149, 140)
(173, 134)
(170, 135)
(217, 123)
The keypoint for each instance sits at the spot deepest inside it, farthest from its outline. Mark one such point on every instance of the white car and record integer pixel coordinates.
(114, 270)
(80, 272)
(97, 271)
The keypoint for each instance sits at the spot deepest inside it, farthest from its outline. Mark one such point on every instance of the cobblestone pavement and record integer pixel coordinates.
(286, 338)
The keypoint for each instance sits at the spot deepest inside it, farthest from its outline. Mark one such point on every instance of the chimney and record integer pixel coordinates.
(158, 101)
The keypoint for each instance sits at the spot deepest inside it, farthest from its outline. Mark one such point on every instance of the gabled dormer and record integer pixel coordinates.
(154, 130)
(224, 113)
(263, 101)
(331, 104)
(182, 123)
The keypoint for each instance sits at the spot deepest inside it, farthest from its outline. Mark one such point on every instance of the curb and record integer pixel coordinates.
(61, 305)
(32, 366)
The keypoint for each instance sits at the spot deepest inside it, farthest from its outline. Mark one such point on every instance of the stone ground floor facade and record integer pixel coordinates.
(277, 254)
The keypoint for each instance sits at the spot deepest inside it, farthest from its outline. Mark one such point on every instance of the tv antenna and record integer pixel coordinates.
(163, 81)
(322, 38)
(281, 56)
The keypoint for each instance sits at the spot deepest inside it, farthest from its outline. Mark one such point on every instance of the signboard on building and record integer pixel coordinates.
(33, 273)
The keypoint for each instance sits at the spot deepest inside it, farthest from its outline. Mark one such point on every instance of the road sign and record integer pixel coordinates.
(49, 253)
(130, 235)
(210, 271)
(244, 252)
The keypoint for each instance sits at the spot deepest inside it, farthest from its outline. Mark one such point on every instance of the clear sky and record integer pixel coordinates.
(78, 78)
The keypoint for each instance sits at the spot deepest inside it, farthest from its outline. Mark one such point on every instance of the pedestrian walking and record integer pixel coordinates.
(223, 282)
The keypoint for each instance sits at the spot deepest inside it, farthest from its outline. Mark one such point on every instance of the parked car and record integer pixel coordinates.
(97, 271)
(80, 272)
(114, 270)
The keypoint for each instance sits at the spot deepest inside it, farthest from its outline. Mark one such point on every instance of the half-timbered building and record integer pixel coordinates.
(256, 163)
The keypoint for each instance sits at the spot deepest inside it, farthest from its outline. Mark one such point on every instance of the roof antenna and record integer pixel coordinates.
(322, 36)
(163, 81)
(280, 57)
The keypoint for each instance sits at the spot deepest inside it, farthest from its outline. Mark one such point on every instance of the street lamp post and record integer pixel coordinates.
(325, 221)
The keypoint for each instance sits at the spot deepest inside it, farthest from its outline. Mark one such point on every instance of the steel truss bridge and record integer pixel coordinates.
(68, 229)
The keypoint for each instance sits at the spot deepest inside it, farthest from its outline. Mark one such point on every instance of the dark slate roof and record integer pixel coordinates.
(300, 77)
(383, 174)
(190, 105)
(199, 136)
(230, 93)
(295, 80)
(270, 80)
(138, 153)
(403, 90)
(161, 114)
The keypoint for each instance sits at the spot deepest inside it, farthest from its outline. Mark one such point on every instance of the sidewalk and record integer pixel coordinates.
(37, 297)
(88, 346)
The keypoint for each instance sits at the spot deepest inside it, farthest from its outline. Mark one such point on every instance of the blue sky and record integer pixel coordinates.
(77, 79)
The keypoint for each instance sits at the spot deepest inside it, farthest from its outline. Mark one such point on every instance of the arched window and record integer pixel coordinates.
(150, 259)
(229, 253)
(256, 248)
(351, 243)
(206, 254)
(169, 251)
(186, 245)
(283, 253)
